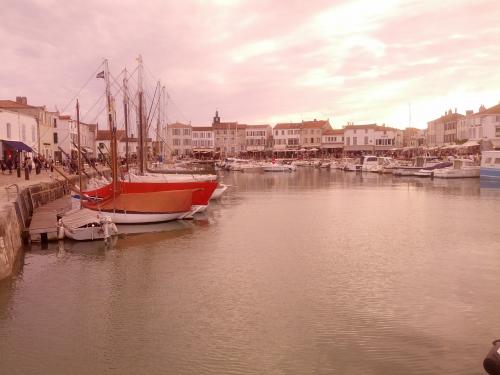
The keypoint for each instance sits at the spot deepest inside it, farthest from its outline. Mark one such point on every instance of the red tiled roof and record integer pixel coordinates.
(64, 117)
(333, 132)
(492, 110)
(258, 126)
(105, 135)
(178, 125)
(229, 126)
(202, 128)
(316, 124)
(450, 117)
(13, 104)
(289, 125)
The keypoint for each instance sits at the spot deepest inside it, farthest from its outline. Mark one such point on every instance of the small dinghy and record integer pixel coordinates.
(86, 225)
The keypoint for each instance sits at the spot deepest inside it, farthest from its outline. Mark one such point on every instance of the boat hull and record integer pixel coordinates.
(150, 207)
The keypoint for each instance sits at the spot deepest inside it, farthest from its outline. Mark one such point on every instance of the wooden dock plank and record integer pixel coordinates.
(44, 219)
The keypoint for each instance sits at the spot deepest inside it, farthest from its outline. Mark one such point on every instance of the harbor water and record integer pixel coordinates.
(311, 272)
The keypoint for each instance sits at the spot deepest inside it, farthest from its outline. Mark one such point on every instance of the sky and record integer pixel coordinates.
(261, 62)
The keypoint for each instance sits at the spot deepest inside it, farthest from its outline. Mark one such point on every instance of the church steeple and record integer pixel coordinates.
(216, 118)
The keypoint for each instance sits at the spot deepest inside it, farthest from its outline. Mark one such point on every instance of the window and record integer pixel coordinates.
(497, 131)
(176, 131)
(55, 123)
(348, 141)
(487, 161)
(497, 160)
(366, 139)
(9, 130)
(354, 141)
(176, 142)
(186, 132)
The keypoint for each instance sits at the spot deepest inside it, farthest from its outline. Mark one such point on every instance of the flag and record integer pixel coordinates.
(100, 75)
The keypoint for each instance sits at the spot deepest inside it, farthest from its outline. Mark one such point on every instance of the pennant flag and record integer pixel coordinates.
(100, 75)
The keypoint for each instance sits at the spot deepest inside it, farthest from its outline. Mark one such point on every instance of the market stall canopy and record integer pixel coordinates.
(17, 146)
(470, 144)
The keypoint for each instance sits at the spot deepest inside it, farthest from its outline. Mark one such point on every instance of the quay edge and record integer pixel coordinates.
(15, 216)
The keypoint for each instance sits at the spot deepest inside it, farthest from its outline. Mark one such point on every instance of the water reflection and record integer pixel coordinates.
(308, 272)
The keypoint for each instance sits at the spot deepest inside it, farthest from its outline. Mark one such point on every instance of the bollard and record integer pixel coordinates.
(26, 173)
(492, 361)
(18, 171)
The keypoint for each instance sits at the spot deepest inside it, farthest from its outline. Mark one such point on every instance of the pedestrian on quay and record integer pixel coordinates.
(4, 167)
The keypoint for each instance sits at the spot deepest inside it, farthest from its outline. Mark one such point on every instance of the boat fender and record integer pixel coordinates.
(492, 361)
(60, 230)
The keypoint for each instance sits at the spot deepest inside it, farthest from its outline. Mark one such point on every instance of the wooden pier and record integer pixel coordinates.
(43, 226)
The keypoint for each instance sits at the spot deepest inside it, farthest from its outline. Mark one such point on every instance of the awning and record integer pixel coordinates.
(470, 144)
(17, 146)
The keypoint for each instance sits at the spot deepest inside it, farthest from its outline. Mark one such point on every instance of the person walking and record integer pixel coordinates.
(9, 164)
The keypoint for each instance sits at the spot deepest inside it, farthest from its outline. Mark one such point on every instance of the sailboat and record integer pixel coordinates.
(132, 203)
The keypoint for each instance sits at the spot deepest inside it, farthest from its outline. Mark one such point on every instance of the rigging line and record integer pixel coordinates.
(86, 83)
(93, 105)
(152, 102)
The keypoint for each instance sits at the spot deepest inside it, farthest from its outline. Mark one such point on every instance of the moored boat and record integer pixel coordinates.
(490, 165)
(149, 207)
(461, 168)
(87, 225)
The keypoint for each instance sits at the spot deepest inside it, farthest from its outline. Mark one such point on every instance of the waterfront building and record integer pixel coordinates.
(18, 131)
(332, 141)
(482, 126)
(443, 130)
(229, 137)
(44, 123)
(259, 138)
(370, 138)
(202, 141)
(286, 137)
(179, 139)
(311, 133)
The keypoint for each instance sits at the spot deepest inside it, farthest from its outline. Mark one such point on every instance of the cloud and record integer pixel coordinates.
(262, 61)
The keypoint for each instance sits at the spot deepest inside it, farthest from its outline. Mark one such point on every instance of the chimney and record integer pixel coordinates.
(22, 100)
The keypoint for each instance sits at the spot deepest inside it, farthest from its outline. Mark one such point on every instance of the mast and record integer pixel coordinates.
(158, 119)
(112, 127)
(164, 123)
(79, 149)
(141, 117)
(126, 113)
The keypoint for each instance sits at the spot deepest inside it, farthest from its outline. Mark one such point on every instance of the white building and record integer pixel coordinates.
(18, 132)
(332, 140)
(258, 138)
(178, 139)
(484, 124)
(202, 139)
(286, 137)
(371, 138)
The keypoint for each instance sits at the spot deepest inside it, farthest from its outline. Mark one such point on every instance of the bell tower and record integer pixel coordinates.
(216, 118)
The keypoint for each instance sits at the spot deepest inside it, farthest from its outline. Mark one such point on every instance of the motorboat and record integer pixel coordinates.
(490, 165)
(369, 162)
(278, 167)
(461, 168)
(352, 165)
(429, 171)
(87, 225)
(385, 164)
(246, 166)
(419, 163)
